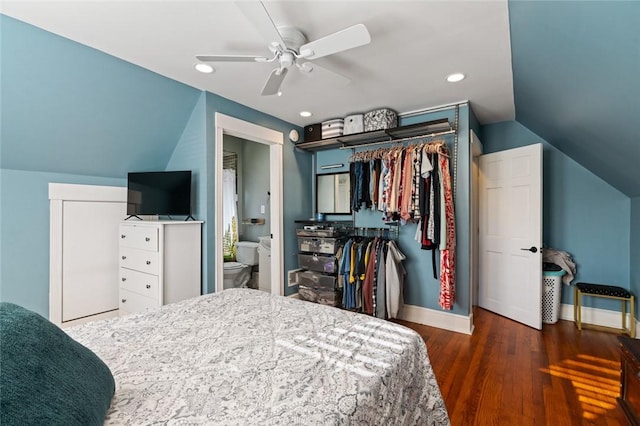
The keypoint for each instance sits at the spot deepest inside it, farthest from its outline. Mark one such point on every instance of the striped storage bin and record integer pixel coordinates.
(332, 128)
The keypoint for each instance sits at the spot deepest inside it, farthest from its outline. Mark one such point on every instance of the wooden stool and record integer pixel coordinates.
(610, 292)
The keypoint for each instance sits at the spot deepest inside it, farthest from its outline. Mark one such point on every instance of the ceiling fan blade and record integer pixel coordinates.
(257, 14)
(231, 58)
(348, 38)
(321, 73)
(272, 86)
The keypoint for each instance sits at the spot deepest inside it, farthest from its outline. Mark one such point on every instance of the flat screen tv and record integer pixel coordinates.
(159, 193)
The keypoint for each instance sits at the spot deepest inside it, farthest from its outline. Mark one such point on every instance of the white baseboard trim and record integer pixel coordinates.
(294, 296)
(440, 319)
(601, 317)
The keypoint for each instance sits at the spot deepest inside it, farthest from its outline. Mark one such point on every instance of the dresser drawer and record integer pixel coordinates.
(139, 237)
(139, 282)
(131, 302)
(140, 260)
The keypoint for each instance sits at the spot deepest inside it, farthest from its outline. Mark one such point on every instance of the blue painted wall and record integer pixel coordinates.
(582, 214)
(421, 289)
(190, 154)
(77, 110)
(635, 248)
(89, 118)
(575, 78)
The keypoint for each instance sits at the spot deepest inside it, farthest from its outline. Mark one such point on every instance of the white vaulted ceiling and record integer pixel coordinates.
(414, 46)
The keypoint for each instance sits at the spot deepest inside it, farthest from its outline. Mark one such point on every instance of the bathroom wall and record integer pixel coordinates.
(253, 185)
(255, 193)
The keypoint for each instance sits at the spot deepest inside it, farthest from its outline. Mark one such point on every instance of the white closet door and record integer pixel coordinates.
(510, 225)
(89, 258)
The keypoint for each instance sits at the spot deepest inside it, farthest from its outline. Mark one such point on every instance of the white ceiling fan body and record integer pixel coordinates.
(290, 48)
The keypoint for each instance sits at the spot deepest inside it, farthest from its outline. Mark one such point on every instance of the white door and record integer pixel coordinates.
(90, 257)
(510, 224)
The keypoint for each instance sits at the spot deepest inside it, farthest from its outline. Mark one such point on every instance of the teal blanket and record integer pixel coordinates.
(46, 377)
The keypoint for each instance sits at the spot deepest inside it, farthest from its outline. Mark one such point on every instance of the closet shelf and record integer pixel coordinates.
(411, 130)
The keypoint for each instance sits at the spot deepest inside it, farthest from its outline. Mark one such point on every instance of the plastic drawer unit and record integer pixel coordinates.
(321, 296)
(318, 280)
(318, 245)
(319, 263)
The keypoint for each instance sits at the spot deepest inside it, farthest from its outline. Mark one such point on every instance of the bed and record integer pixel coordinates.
(243, 357)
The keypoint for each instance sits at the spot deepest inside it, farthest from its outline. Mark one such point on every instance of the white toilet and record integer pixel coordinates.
(237, 274)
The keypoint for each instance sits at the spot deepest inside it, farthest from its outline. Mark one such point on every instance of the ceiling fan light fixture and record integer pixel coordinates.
(289, 45)
(455, 77)
(204, 68)
(305, 114)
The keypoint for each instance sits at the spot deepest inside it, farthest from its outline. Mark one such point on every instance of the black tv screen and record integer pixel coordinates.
(159, 193)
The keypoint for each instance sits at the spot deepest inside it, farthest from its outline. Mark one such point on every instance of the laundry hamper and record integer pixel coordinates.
(551, 287)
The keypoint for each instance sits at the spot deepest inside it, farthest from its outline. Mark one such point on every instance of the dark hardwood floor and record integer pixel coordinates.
(509, 374)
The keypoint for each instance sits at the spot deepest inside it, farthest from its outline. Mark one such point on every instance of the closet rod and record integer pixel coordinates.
(431, 135)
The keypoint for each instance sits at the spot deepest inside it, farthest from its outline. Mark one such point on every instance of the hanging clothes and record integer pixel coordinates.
(395, 273)
(381, 287)
(367, 283)
(409, 184)
(447, 255)
(372, 281)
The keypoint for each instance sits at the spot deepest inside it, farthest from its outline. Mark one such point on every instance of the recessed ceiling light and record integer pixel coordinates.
(455, 77)
(305, 114)
(205, 68)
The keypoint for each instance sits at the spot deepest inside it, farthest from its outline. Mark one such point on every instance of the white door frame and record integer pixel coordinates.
(227, 125)
(476, 151)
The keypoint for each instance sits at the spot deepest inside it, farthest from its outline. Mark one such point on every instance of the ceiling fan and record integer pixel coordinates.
(290, 48)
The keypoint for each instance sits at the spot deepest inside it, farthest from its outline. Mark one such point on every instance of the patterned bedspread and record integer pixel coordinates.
(244, 357)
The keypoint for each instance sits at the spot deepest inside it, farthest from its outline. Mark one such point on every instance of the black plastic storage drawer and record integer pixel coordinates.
(318, 263)
(314, 279)
(323, 297)
(318, 245)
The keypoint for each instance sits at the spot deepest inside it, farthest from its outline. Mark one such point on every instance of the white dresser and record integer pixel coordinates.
(160, 263)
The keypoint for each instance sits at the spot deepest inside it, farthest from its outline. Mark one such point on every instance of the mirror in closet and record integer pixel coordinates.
(333, 193)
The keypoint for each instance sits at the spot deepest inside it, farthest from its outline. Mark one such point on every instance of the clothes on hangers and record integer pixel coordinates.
(373, 276)
(447, 253)
(411, 184)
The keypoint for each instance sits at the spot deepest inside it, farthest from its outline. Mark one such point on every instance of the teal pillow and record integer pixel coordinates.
(46, 377)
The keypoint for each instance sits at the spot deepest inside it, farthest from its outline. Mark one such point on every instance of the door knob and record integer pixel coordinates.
(532, 249)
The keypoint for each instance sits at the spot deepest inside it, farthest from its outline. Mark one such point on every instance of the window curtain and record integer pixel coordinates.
(230, 213)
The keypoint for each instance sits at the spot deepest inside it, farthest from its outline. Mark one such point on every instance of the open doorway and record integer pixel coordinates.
(227, 125)
(246, 214)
